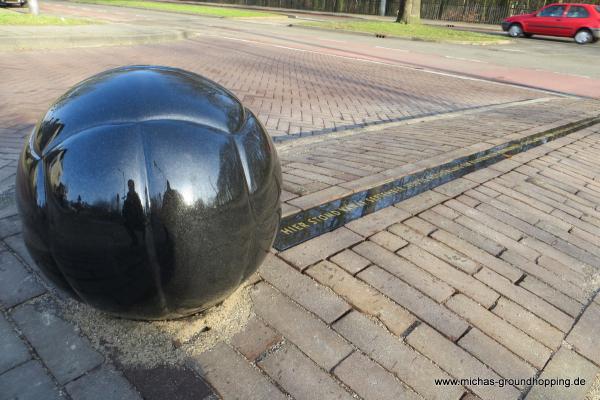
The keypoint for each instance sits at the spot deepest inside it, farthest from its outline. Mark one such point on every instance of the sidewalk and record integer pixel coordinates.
(51, 37)
(489, 276)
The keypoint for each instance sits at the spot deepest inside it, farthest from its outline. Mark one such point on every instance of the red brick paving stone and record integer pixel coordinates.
(420, 225)
(578, 248)
(506, 334)
(500, 266)
(416, 302)
(232, 376)
(446, 211)
(300, 376)
(577, 278)
(377, 221)
(303, 290)
(468, 200)
(350, 261)
(457, 362)
(529, 323)
(421, 202)
(462, 233)
(497, 237)
(483, 175)
(254, 339)
(455, 187)
(565, 364)
(287, 210)
(388, 241)
(314, 338)
(527, 299)
(458, 279)
(370, 381)
(320, 248)
(551, 295)
(386, 349)
(496, 356)
(319, 197)
(536, 235)
(584, 337)
(553, 252)
(407, 271)
(363, 297)
(436, 248)
(477, 215)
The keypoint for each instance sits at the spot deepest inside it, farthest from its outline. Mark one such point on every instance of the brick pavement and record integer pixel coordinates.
(490, 276)
(485, 276)
(292, 92)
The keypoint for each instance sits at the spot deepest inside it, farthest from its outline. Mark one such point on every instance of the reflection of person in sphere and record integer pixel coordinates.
(133, 213)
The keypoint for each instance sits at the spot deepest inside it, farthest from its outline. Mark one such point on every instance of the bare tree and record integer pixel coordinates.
(409, 12)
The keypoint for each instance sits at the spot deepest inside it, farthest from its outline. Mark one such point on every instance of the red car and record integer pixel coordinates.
(579, 21)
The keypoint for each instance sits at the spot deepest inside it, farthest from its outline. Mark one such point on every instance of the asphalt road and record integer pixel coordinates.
(553, 64)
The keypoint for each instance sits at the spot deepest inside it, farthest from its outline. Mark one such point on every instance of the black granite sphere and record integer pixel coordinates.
(149, 192)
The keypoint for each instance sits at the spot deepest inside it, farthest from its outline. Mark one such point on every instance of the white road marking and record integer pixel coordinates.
(466, 59)
(332, 40)
(576, 75)
(390, 48)
(515, 50)
(466, 78)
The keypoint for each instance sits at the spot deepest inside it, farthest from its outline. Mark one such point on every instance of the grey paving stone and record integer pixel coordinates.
(64, 352)
(370, 380)
(102, 384)
(232, 376)
(254, 339)
(16, 244)
(490, 352)
(396, 356)
(9, 226)
(300, 376)
(584, 335)
(565, 364)
(305, 291)
(320, 248)
(16, 283)
(416, 302)
(28, 381)
(13, 350)
(315, 338)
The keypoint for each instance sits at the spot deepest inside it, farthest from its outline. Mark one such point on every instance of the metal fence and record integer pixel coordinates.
(341, 6)
(473, 12)
(477, 11)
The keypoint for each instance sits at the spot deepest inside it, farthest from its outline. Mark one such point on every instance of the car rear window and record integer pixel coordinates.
(598, 8)
(578, 12)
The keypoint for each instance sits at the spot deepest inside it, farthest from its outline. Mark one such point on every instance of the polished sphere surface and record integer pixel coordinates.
(149, 192)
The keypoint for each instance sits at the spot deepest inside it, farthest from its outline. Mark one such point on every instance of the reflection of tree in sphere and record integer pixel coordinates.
(149, 192)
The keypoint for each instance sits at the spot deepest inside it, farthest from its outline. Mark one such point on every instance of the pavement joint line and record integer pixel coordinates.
(307, 224)
(565, 335)
(287, 142)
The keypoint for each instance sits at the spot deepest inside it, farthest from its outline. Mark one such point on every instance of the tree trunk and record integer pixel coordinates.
(409, 12)
(34, 8)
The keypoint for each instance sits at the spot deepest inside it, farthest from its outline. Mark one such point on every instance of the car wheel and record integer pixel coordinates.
(584, 36)
(515, 31)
